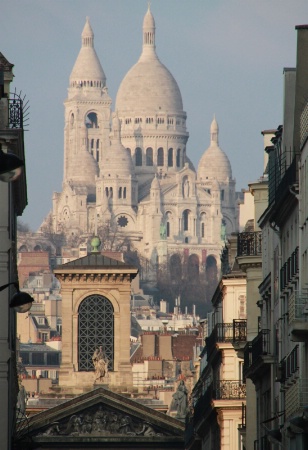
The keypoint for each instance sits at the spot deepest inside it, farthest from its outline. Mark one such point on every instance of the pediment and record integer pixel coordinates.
(104, 416)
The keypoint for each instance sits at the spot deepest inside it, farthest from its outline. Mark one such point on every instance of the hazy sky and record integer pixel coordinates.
(226, 55)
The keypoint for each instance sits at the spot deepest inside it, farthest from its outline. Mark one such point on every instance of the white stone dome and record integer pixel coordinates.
(117, 159)
(148, 86)
(86, 177)
(87, 67)
(214, 163)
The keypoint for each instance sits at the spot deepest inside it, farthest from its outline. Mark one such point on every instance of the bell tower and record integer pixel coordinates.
(95, 293)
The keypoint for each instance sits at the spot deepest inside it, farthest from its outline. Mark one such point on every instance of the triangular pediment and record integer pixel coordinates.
(106, 417)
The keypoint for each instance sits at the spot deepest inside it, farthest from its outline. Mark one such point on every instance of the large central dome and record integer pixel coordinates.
(149, 86)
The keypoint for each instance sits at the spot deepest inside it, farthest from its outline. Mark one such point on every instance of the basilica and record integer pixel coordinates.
(128, 168)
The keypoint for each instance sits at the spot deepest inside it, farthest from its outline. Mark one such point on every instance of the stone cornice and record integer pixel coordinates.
(94, 277)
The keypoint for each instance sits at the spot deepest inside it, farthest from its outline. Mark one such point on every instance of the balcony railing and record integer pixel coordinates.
(257, 348)
(298, 308)
(243, 424)
(260, 345)
(249, 244)
(222, 332)
(239, 330)
(289, 270)
(229, 390)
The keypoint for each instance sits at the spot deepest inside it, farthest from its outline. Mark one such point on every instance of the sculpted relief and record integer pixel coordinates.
(100, 421)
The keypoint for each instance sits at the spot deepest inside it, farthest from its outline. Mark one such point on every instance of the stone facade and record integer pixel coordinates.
(95, 312)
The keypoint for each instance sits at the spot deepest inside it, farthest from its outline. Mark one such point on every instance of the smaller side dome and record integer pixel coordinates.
(214, 163)
(155, 183)
(117, 159)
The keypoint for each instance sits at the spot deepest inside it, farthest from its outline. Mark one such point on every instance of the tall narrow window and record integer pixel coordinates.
(178, 157)
(186, 220)
(170, 157)
(138, 156)
(120, 192)
(149, 156)
(160, 157)
(168, 229)
(202, 230)
(124, 192)
(95, 329)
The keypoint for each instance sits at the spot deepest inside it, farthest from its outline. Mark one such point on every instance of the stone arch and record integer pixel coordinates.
(175, 267)
(160, 157)
(38, 248)
(186, 220)
(211, 270)
(138, 156)
(193, 267)
(149, 156)
(91, 120)
(23, 248)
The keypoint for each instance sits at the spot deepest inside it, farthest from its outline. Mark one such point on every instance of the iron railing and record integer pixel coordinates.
(249, 243)
(298, 307)
(243, 424)
(289, 365)
(247, 357)
(222, 332)
(239, 330)
(15, 113)
(260, 345)
(229, 390)
(289, 269)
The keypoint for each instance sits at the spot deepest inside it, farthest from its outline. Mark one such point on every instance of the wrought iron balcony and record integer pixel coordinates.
(249, 243)
(260, 345)
(298, 316)
(239, 330)
(288, 366)
(257, 355)
(289, 270)
(222, 332)
(243, 424)
(229, 390)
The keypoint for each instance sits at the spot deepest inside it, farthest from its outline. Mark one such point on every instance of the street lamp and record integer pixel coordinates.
(21, 301)
(10, 166)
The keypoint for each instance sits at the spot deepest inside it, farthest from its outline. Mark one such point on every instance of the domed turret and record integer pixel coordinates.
(149, 86)
(87, 70)
(117, 159)
(214, 164)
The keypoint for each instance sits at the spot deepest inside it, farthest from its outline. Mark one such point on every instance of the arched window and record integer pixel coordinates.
(170, 157)
(149, 156)
(120, 192)
(178, 157)
(95, 328)
(193, 267)
(138, 156)
(129, 151)
(91, 120)
(175, 267)
(124, 192)
(107, 192)
(160, 157)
